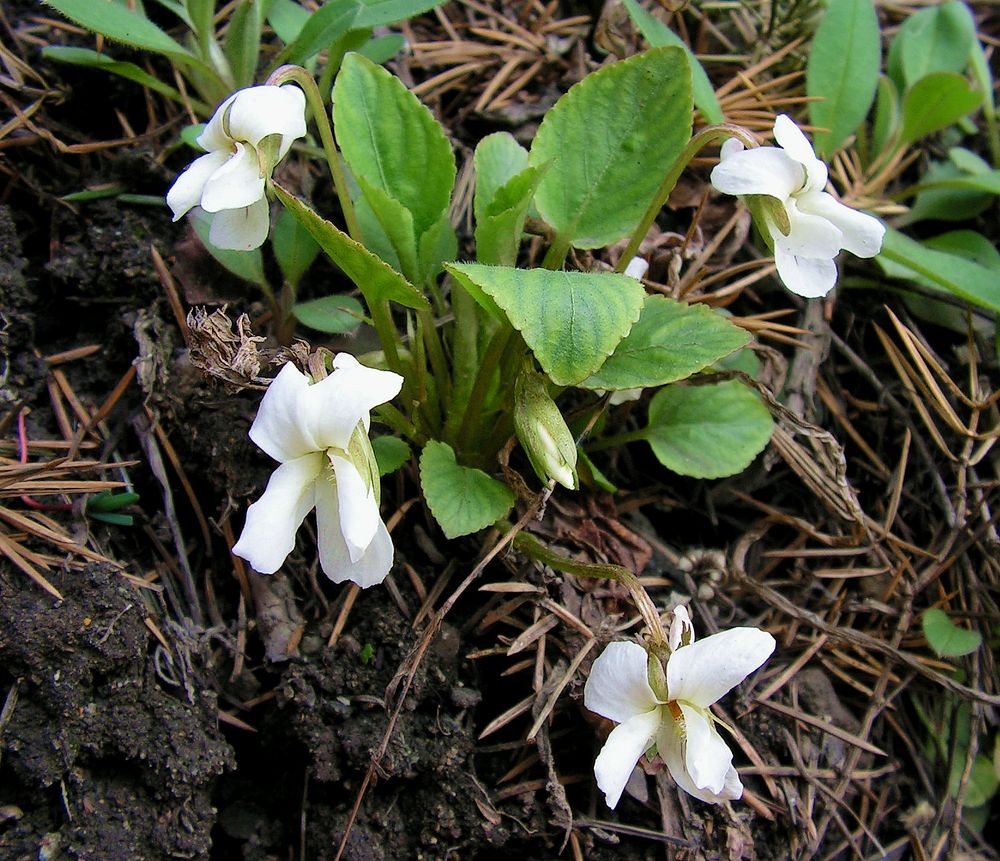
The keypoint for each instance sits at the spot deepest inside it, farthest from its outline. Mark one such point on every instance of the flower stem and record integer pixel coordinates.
(529, 545)
(393, 418)
(616, 440)
(703, 138)
(439, 364)
(386, 331)
(301, 77)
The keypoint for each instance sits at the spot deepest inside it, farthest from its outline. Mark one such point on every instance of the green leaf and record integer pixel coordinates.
(499, 230)
(590, 474)
(982, 785)
(390, 453)
(936, 39)
(842, 71)
(376, 280)
(438, 243)
(572, 321)
(287, 18)
(201, 13)
(178, 8)
(91, 59)
(248, 265)
(120, 24)
(463, 500)
(392, 142)
(113, 518)
(886, 123)
(948, 193)
(707, 431)
(106, 501)
(968, 244)
(336, 18)
(378, 13)
(242, 45)
(189, 136)
(498, 159)
(946, 638)
(979, 68)
(988, 183)
(324, 27)
(611, 139)
(953, 274)
(670, 341)
(386, 222)
(383, 48)
(659, 35)
(336, 315)
(505, 186)
(293, 246)
(934, 103)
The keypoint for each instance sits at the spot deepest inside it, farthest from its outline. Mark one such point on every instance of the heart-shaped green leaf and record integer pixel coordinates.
(375, 279)
(572, 321)
(463, 500)
(670, 341)
(946, 638)
(611, 139)
(708, 431)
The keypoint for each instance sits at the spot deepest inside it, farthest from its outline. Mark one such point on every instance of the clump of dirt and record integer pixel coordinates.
(100, 760)
(309, 757)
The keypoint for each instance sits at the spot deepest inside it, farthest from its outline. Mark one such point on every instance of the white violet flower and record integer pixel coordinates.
(249, 134)
(677, 720)
(817, 226)
(318, 432)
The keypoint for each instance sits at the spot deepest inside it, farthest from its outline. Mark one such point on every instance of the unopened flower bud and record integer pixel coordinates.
(543, 432)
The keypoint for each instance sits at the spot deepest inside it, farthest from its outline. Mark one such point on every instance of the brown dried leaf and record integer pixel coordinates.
(219, 351)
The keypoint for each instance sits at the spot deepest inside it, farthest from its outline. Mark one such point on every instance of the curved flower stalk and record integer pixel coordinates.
(249, 134)
(676, 719)
(808, 227)
(318, 432)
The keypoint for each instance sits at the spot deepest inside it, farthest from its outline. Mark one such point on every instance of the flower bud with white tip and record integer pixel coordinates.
(542, 431)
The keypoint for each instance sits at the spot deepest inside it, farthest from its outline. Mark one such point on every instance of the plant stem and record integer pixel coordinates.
(617, 439)
(387, 336)
(556, 255)
(439, 364)
(301, 77)
(474, 407)
(703, 138)
(531, 546)
(393, 418)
